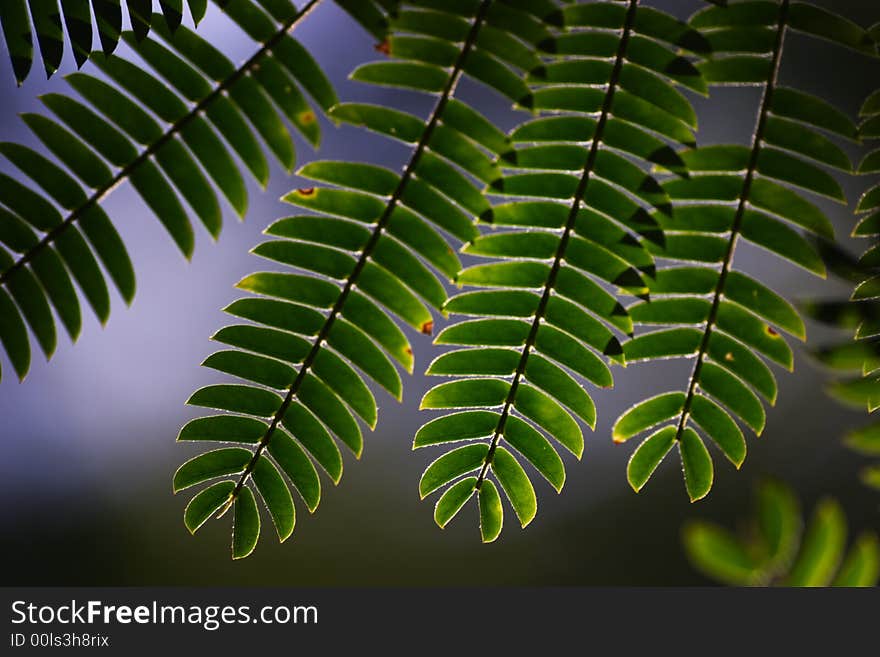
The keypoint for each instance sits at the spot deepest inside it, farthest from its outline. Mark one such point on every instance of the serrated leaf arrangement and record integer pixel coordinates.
(52, 21)
(596, 233)
(775, 550)
(856, 362)
(373, 252)
(177, 133)
(725, 320)
(581, 218)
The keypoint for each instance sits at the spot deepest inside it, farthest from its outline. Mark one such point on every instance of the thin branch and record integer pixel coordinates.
(580, 194)
(757, 144)
(367, 251)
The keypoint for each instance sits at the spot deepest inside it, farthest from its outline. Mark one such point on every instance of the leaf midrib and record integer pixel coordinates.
(757, 146)
(366, 252)
(124, 173)
(579, 196)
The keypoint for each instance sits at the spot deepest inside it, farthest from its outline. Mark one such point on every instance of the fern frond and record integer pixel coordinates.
(74, 17)
(857, 361)
(364, 259)
(775, 551)
(727, 321)
(171, 133)
(540, 314)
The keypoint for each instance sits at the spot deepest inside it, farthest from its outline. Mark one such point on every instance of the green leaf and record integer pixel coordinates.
(296, 465)
(720, 427)
(452, 500)
(19, 39)
(347, 385)
(516, 485)
(765, 303)
(466, 425)
(13, 336)
(236, 398)
(451, 465)
(409, 75)
(781, 166)
(353, 343)
(311, 434)
(257, 369)
(491, 512)
(667, 343)
(718, 553)
(27, 293)
(276, 496)
(223, 428)
(550, 416)
(833, 27)
(468, 393)
(498, 362)
(775, 236)
(206, 503)
(219, 462)
(789, 205)
(801, 139)
(323, 402)
(794, 104)
(647, 414)
(822, 549)
(648, 456)
(561, 386)
(865, 440)
(697, 465)
(536, 449)
(862, 565)
(489, 332)
(245, 524)
(731, 392)
(779, 519)
(736, 70)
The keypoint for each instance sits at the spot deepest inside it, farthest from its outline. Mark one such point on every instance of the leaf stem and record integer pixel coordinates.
(736, 227)
(367, 251)
(99, 194)
(579, 196)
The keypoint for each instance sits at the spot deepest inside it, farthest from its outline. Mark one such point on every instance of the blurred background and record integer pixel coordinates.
(89, 439)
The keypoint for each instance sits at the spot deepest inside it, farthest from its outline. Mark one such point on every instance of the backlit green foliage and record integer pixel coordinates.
(705, 308)
(373, 251)
(180, 128)
(857, 361)
(596, 234)
(580, 215)
(44, 23)
(775, 550)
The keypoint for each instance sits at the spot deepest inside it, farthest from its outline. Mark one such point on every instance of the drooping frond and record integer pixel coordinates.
(857, 361)
(775, 551)
(171, 132)
(725, 320)
(44, 23)
(539, 314)
(372, 252)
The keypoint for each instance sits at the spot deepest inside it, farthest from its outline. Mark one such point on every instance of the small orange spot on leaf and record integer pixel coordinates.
(409, 352)
(728, 357)
(384, 47)
(772, 332)
(427, 328)
(307, 117)
(306, 191)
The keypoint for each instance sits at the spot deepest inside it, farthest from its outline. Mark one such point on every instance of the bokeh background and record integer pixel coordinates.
(88, 441)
